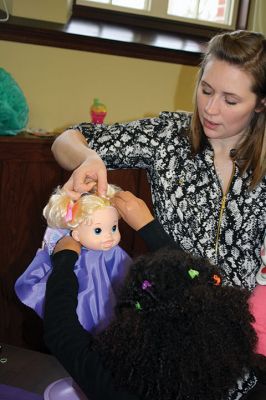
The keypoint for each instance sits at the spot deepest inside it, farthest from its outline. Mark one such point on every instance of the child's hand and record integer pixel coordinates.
(67, 243)
(133, 210)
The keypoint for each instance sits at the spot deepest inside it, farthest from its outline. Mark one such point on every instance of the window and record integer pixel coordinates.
(219, 13)
(94, 28)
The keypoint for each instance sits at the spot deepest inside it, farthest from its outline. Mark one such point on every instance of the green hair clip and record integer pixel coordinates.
(138, 306)
(193, 273)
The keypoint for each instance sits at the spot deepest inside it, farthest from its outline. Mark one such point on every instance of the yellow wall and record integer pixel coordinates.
(60, 84)
(257, 16)
(47, 10)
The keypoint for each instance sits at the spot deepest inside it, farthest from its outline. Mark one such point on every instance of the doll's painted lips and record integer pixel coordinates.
(108, 245)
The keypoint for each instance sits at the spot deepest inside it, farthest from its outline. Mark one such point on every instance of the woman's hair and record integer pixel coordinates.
(179, 334)
(62, 212)
(246, 50)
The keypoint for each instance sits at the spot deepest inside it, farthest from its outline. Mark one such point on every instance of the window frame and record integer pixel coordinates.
(183, 44)
(169, 25)
(158, 10)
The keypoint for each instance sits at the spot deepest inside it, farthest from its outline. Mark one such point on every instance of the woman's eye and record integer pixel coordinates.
(207, 92)
(231, 102)
(114, 228)
(97, 231)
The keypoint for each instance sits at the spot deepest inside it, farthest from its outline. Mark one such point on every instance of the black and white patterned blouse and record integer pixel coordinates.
(187, 194)
(186, 191)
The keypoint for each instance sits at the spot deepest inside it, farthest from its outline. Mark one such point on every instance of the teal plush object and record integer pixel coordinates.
(14, 110)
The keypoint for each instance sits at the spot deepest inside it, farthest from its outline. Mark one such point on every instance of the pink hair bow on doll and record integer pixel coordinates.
(71, 208)
(69, 213)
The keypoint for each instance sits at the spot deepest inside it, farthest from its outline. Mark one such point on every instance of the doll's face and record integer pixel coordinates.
(102, 233)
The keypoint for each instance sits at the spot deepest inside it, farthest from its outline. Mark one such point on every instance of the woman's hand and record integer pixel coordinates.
(67, 243)
(71, 151)
(133, 210)
(91, 172)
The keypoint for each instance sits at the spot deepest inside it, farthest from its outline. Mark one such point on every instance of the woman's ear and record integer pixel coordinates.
(75, 235)
(261, 106)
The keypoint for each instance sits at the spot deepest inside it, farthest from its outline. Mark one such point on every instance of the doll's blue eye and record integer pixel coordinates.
(114, 228)
(97, 231)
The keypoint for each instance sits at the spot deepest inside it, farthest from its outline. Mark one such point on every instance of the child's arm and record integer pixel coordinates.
(64, 335)
(136, 214)
(155, 236)
(133, 210)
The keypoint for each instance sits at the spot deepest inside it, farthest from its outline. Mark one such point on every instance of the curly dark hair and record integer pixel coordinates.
(179, 333)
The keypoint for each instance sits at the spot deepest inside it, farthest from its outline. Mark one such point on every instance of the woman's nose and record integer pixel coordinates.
(212, 106)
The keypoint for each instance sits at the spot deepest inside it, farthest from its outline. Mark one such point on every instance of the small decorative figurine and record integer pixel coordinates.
(98, 112)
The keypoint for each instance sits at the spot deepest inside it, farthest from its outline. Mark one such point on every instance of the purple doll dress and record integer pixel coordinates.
(99, 273)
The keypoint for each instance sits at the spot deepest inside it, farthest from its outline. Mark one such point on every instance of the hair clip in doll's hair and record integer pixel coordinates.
(69, 213)
(85, 194)
(193, 273)
(71, 208)
(217, 280)
(138, 306)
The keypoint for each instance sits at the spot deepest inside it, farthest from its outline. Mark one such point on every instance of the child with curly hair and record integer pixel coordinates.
(178, 332)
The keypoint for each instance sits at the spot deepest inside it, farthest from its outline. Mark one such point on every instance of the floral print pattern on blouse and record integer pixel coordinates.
(186, 191)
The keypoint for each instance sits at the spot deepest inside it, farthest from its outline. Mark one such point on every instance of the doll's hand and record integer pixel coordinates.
(91, 172)
(133, 210)
(67, 243)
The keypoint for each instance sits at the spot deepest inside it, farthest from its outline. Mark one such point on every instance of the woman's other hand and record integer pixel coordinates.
(133, 210)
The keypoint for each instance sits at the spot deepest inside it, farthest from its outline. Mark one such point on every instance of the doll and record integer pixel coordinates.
(257, 303)
(102, 264)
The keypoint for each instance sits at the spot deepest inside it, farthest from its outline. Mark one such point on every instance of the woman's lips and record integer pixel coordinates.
(208, 124)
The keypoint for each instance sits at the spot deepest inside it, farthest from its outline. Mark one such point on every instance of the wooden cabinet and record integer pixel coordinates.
(28, 175)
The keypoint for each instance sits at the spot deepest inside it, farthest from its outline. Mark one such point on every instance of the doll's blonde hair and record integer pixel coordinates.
(62, 212)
